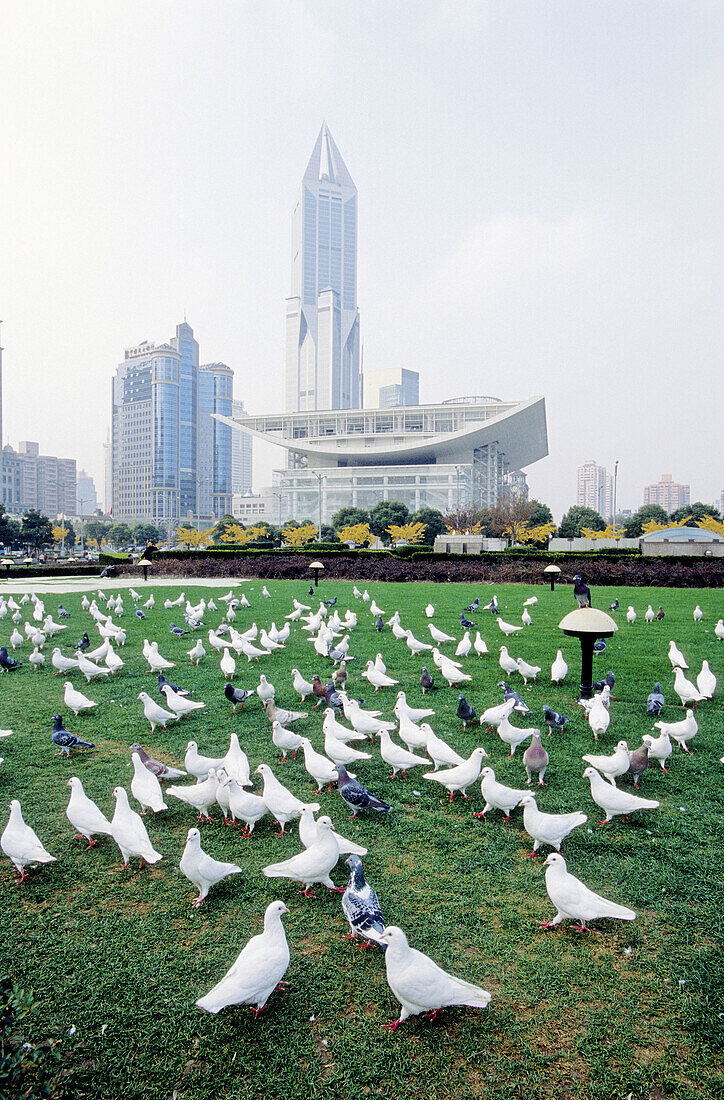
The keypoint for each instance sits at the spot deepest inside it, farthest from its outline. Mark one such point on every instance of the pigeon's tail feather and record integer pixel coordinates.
(275, 870)
(472, 995)
(378, 804)
(211, 1003)
(153, 856)
(85, 744)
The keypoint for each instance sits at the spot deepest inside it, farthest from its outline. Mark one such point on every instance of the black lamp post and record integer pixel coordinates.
(7, 562)
(587, 624)
(553, 572)
(316, 568)
(144, 564)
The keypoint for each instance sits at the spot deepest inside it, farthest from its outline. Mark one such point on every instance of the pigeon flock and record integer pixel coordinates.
(357, 711)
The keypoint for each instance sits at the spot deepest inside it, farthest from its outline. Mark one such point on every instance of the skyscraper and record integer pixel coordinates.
(171, 461)
(595, 489)
(322, 320)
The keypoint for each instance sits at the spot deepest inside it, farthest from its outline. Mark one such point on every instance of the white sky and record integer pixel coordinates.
(540, 208)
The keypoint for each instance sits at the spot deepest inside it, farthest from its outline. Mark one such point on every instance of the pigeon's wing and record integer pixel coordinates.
(421, 985)
(576, 900)
(255, 973)
(362, 910)
(213, 870)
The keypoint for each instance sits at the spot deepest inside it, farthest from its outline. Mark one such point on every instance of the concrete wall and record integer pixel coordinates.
(467, 544)
(577, 545)
(693, 548)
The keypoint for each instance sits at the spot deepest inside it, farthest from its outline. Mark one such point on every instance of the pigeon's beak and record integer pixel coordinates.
(284, 909)
(547, 862)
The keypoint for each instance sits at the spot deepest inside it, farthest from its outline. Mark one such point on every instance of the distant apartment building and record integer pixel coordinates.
(595, 489)
(241, 455)
(170, 459)
(86, 500)
(668, 494)
(388, 389)
(32, 480)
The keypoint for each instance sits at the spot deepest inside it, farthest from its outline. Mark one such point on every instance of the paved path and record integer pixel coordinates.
(111, 584)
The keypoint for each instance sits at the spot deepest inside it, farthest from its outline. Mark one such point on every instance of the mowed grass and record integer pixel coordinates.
(120, 956)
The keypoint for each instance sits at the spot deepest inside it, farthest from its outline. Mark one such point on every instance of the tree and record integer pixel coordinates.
(63, 535)
(36, 530)
(357, 533)
(509, 517)
(9, 529)
(146, 532)
(219, 529)
(298, 535)
(329, 534)
(434, 524)
(634, 526)
(347, 517)
(694, 512)
(191, 537)
(464, 521)
(578, 517)
(385, 513)
(120, 535)
(406, 532)
(541, 514)
(96, 532)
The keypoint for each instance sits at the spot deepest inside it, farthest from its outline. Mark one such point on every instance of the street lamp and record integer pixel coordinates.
(319, 480)
(144, 564)
(615, 486)
(587, 624)
(80, 517)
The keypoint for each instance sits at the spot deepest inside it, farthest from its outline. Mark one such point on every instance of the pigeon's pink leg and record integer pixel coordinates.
(392, 1026)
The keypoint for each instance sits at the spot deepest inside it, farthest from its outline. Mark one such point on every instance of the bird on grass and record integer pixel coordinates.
(581, 591)
(177, 631)
(464, 711)
(466, 623)
(356, 796)
(608, 681)
(312, 864)
(65, 740)
(574, 901)
(258, 970)
(426, 681)
(157, 767)
(473, 606)
(141, 614)
(21, 844)
(613, 606)
(84, 643)
(7, 663)
(361, 906)
(553, 720)
(420, 985)
(660, 614)
(62, 612)
(201, 869)
(163, 682)
(84, 815)
(656, 701)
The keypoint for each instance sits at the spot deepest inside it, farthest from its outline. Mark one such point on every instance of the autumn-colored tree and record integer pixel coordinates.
(298, 536)
(59, 533)
(358, 533)
(541, 533)
(708, 523)
(191, 537)
(408, 532)
(613, 531)
(465, 521)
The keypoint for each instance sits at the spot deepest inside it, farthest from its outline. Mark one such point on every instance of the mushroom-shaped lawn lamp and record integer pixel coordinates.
(27, 561)
(144, 564)
(553, 571)
(316, 567)
(587, 624)
(7, 562)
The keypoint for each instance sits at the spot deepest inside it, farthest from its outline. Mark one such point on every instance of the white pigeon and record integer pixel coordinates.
(449, 670)
(614, 801)
(268, 642)
(698, 614)
(180, 704)
(508, 628)
(506, 662)
(313, 864)
(90, 669)
(285, 740)
(415, 714)
(308, 834)
(705, 681)
(61, 663)
(258, 970)
(559, 668)
(76, 700)
(113, 662)
(84, 815)
(301, 686)
(129, 832)
(217, 642)
(598, 719)
(649, 616)
(145, 787)
(611, 766)
(398, 758)
(719, 630)
(493, 716)
(319, 767)
(676, 656)
(202, 869)
(331, 725)
(375, 610)
(430, 611)
(16, 639)
(438, 750)
(197, 652)
(199, 766)
(156, 662)
(525, 618)
(264, 689)
(530, 602)
(684, 688)
(245, 806)
(281, 803)
(413, 736)
(659, 748)
(20, 843)
(630, 615)
(464, 645)
(680, 731)
(201, 795)
(459, 777)
(528, 672)
(155, 714)
(377, 679)
(513, 735)
(574, 901)
(419, 984)
(227, 664)
(339, 752)
(497, 796)
(99, 652)
(36, 659)
(549, 829)
(236, 763)
(479, 645)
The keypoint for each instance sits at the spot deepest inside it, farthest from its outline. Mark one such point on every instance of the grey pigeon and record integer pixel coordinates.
(237, 696)
(473, 606)
(508, 693)
(582, 592)
(65, 740)
(84, 643)
(361, 905)
(157, 767)
(140, 614)
(62, 612)
(177, 631)
(655, 701)
(638, 762)
(426, 681)
(552, 720)
(8, 663)
(356, 796)
(163, 682)
(535, 759)
(465, 622)
(464, 711)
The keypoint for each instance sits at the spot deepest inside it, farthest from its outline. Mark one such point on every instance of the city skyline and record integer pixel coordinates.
(541, 210)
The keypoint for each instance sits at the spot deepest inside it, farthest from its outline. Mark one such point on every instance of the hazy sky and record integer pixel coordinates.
(540, 195)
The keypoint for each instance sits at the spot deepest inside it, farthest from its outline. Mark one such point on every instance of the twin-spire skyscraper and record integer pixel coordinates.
(322, 323)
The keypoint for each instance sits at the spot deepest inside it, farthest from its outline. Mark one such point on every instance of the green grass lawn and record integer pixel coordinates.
(119, 954)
